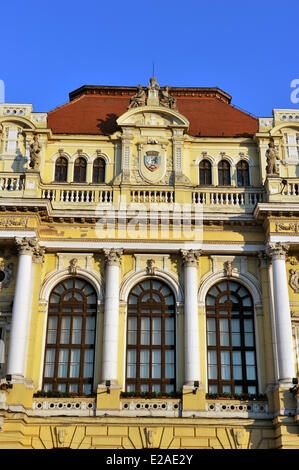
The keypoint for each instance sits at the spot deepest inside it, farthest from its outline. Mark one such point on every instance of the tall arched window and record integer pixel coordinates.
(80, 170)
(98, 174)
(151, 338)
(230, 339)
(70, 340)
(224, 173)
(61, 169)
(205, 172)
(242, 173)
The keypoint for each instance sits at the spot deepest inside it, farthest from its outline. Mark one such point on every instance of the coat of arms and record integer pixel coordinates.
(152, 160)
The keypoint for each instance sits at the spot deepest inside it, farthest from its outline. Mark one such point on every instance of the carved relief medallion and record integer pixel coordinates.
(294, 280)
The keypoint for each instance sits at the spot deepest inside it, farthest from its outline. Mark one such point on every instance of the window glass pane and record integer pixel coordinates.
(49, 363)
(157, 285)
(137, 290)
(212, 365)
(169, 333)
(213, 388)
(237, 365)
(146, 298)
(224, 332)
(214, 291)
(234, 286)
(65, 330)
(52, 327)
(238, 388)
(145, 333)
(165, 290)
(225, 365)
(132, 330)
(131, 363)
(59, 289)
(236, 337)
(169, 364)
(234, 299)
(63, 363)
(223, 299)
(222, 286)
(250, 365)
(144, 387)
(132, 299)
(211, 327)
(74, 388)
(156, 388)
(90, 330)
(156, 364)
(92, 299)
(169, 388)
(130, 388)
(54, 299)
(210, 300)
(87, 389)
(144, 364)
(76, 333)
(88, 363)
(226, 389)
(169, 300)
(247, 301)
(61, 387)
(75, 363)
(252, 389)
(146, 285)
(79, 284)
(156, 331)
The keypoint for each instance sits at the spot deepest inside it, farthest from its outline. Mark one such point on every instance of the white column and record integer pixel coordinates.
(192, 352)
(17, 353)
(283, 324)
(111, 316)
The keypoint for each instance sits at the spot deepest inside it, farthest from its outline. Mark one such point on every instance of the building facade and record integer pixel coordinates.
(149, 274)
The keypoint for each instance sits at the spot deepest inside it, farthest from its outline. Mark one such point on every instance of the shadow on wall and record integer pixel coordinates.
(108, 126)
(19, 163)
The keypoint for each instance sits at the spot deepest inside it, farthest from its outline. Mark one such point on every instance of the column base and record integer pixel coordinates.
(194, 399)
(108, 398)
(284, 402)
(21, 391)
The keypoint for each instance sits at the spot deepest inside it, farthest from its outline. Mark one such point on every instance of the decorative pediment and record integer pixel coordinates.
(153, 116)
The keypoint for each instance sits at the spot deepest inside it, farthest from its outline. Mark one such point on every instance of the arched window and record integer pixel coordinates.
(242, 173)
(230, 339)
(80, 170)
(205, 172)
(70, 340)
(61, 169)
(151, 338)
(224, 173)
(98, 174)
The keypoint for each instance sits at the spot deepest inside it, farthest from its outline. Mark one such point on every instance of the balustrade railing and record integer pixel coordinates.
(79, 195)
(12, 183)
(152, 196)
(227, 197)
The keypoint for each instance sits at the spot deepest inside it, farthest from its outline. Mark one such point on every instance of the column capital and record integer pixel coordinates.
(113, 256)
(278, 250)
(190, 257)
(26, 245)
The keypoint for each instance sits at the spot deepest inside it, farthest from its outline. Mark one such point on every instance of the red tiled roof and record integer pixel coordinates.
(94, 110)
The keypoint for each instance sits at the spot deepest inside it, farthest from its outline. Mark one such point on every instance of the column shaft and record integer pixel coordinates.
(192, 348)
(111, 317)
(283, 324)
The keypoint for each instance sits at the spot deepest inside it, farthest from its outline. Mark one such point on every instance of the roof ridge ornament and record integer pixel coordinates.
(153, 96)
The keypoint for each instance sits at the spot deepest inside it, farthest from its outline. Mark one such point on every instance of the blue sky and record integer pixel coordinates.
(248, 48)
